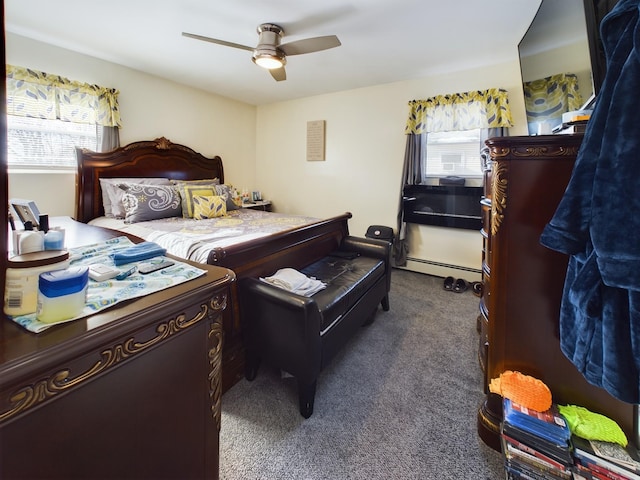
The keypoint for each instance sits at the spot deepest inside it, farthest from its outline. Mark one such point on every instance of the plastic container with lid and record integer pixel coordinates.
(23, 272)
(62, 294)
(54, 239)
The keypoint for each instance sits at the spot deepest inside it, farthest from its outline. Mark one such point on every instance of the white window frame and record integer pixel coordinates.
(35, 144)
(453, 153)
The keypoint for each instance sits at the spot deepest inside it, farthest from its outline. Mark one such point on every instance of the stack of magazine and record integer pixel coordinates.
(536, 445)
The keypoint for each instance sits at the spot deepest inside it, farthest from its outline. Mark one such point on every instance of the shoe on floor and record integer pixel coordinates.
(448, 283)
(460, 286)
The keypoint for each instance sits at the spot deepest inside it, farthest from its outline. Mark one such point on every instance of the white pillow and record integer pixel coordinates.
(112, 195)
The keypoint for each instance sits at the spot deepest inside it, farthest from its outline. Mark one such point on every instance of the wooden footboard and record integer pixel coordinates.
(296, 247)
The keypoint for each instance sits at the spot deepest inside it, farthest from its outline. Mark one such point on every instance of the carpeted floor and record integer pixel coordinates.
(399, 402)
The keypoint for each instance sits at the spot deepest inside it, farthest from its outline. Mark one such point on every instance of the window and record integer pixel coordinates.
(34, 143)
(48, 116)
(454, 153)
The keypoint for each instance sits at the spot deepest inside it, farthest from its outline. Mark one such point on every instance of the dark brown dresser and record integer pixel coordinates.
(519, 310)
(132, 392)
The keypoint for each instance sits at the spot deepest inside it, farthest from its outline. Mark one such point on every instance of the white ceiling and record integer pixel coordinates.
(383, 41)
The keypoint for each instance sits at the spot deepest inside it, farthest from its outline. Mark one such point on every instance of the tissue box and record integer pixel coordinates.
(62, 294)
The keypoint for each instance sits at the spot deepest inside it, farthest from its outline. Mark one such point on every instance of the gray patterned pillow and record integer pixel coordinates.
(225, 192)
(150, 202)
(112, 194)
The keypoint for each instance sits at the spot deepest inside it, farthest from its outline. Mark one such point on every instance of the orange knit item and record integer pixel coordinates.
(522, 389)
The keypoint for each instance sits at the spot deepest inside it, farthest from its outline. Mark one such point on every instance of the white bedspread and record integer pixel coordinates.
(194, 239)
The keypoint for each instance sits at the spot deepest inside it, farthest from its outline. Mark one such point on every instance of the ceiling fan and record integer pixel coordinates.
(269, 53)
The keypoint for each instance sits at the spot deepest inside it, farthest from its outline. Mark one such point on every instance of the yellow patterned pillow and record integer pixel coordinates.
(209, 206)
(188, 191)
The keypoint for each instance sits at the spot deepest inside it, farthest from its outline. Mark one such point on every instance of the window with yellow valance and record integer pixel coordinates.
(484, 111)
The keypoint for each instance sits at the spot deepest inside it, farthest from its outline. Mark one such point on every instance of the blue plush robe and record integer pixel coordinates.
(597, 223)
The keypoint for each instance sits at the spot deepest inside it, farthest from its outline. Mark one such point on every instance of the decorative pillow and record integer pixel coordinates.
(187, 210)
(209, 206)
(229, 193)
(149, 202)
(187, 192)
(112, 194)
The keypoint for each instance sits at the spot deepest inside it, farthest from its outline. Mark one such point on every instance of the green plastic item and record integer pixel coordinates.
(592, 426)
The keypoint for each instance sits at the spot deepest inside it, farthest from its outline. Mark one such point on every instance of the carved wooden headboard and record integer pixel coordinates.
(155, 158)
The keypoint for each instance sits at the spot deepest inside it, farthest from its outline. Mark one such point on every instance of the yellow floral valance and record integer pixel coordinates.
(460, 111)
(42, 95)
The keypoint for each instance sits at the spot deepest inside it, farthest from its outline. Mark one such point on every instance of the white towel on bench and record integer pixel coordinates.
(295, 282)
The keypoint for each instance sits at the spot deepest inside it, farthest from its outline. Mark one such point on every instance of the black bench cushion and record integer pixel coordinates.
(347, 280)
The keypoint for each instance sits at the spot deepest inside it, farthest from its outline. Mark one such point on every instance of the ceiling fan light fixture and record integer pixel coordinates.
(269, 60)
(269, 53)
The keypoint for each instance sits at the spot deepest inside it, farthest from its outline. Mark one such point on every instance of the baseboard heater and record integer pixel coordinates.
(443, 205)
(444, 265)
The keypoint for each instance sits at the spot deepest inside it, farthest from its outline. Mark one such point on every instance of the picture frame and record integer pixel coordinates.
(25, 211)
(256, 196)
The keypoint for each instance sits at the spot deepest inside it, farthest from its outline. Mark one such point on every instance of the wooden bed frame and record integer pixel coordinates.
(294, 248)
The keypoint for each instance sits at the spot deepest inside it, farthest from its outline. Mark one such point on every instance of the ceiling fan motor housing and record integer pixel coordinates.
(269, 34)
(268, 41)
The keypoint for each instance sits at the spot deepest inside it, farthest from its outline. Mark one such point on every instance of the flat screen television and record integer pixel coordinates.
(564, 37)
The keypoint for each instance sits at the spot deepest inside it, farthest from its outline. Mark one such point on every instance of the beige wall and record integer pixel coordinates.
(264, 147)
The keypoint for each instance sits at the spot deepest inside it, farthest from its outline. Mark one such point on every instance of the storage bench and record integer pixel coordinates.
(301, 334)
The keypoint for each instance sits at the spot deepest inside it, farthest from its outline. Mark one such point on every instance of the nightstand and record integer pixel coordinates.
(259, 205)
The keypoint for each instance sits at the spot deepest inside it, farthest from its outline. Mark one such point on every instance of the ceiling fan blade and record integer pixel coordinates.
(219, 42)
(310, 45)
(279, 74)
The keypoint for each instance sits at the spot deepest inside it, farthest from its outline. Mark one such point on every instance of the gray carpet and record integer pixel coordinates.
(399, 402)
